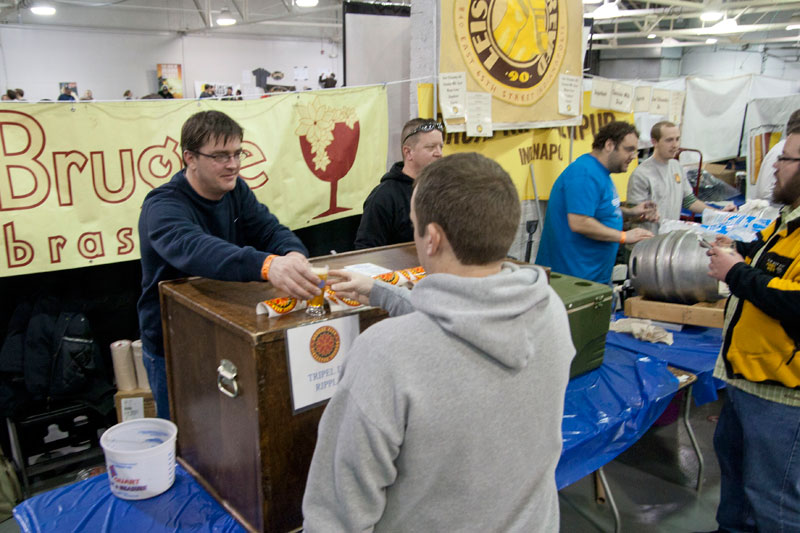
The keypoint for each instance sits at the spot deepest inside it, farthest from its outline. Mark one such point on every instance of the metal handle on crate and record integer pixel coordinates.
(226, 377)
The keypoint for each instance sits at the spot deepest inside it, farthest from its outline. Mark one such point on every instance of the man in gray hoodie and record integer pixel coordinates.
(448, 415)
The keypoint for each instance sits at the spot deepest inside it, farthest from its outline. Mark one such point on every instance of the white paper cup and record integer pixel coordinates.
(140, 457)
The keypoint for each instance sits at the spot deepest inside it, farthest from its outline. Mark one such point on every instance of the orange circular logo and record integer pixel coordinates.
(325, 344)
(282, 305)
(390, 277)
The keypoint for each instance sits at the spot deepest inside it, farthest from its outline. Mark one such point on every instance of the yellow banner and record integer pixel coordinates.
(73, 175)
(547, 149)
(515, 50)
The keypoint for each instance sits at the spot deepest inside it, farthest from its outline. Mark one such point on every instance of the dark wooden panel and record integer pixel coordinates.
(253, 451)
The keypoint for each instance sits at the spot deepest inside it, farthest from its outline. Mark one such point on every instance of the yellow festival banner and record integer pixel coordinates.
(547, 149)
(514, 50)
(73, 176)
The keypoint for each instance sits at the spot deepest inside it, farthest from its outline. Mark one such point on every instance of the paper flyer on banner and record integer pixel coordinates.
(479, 114)
(569, 94)
(660, 102)
(316, 354)
(621, 97)
(453, 94)
(641, 98)
(676, 106)
(601, 93)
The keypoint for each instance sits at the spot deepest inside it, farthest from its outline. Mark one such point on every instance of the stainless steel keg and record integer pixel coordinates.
(672, 267)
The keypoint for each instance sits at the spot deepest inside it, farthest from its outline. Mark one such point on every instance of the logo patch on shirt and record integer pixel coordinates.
(775, 264)
(677, 178)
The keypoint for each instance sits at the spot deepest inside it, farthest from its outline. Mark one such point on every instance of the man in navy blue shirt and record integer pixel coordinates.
(583, 223)
(207, 222)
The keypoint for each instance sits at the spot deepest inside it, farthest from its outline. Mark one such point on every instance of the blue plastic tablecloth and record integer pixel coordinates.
(89, 506)
(694, 349)
(605, 411)
(608, 409)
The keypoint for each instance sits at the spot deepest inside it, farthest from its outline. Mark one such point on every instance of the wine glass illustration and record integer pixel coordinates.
(329, 143)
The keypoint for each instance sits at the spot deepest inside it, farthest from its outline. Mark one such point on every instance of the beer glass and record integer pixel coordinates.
(316, 305)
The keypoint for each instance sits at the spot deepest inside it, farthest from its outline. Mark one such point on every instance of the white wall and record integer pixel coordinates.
(710, 63)
(109, 63)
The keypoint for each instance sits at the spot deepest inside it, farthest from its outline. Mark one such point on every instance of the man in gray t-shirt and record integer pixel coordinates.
(661, 179)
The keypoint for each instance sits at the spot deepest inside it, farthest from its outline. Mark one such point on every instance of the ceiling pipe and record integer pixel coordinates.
(692, 32)
(687, 44)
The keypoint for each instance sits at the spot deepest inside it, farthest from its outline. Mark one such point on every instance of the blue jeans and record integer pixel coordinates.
(758, 447)
(157, 375)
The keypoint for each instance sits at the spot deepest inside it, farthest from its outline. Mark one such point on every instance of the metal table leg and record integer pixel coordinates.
(687, 402)
(609, 498)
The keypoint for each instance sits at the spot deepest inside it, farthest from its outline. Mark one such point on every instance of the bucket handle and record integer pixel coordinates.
(226, 379)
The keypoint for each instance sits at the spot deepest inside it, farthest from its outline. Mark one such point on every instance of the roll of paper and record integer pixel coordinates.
(141, 371)
(122, 357)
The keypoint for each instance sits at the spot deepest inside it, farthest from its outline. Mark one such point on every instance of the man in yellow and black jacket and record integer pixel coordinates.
(757, 439)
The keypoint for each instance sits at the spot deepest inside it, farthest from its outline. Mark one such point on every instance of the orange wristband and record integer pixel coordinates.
(622, 237)
(265, 267)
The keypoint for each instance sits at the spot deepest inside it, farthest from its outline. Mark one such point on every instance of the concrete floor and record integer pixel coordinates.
(653, 484)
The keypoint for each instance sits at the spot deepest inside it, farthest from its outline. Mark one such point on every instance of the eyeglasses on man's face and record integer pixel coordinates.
(785, 159)
(223, 157)
(425, 127)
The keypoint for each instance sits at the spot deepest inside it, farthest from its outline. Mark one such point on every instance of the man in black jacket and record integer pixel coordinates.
(386, 210)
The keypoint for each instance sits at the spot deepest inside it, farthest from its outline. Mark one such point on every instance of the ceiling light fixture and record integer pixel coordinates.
(711, 40)
(225, 18)
(41, 8)
(608, 10)
(791, 27)
(711, 16)
(306, 3)
(669, 41)
(651, 36)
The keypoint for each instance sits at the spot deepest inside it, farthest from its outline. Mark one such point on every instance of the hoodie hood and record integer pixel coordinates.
(395, 173)
(490, 313)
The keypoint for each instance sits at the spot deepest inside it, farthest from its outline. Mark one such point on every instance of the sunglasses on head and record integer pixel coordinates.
(425, 127)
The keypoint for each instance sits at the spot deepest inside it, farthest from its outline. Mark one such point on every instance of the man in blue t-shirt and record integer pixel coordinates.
(583, 223)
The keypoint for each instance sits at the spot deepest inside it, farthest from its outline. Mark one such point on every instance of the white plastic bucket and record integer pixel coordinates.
(140, 457)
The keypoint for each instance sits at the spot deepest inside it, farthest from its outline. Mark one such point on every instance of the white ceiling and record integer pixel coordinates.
(758, 21)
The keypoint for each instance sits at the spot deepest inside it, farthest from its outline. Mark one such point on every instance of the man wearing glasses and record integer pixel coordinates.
(207, 222)
(386, 210)
(757, 439)
(766, 174)
(583, 222)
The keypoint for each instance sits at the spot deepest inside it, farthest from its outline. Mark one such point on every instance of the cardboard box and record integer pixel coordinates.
(728, 175)
(706, 314)
(133, 404)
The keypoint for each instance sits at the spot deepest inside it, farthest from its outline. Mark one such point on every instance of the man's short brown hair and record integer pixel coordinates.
(208, 125)
(615, 131)
(474, 201)
(655, 131)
